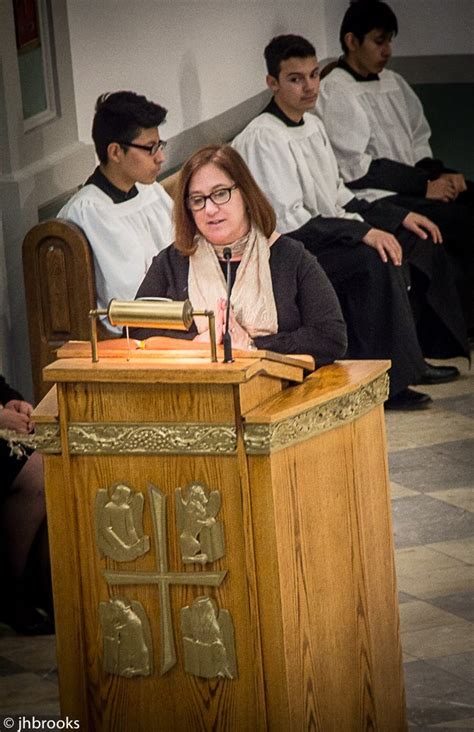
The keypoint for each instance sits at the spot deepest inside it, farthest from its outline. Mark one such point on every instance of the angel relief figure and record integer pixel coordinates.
(201, 536)
(127, 638)
(208, 636)
(119, 524)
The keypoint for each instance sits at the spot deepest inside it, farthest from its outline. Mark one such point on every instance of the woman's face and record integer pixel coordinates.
(219, 223)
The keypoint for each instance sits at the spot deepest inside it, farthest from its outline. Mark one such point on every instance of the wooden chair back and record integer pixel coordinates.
(170, 182)
(59, 289)
(58, 270)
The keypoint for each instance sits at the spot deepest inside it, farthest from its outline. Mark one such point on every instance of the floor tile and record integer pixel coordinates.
(420, 429)
(412, 458)
(424, 711)
(421, 558)
(439, 641)
(460, 604)
(418, 614)
(8, 667)
(37, 697)
(424, 520)
(400, 491)
(458, 664)
(460, 404)
(437, 582)
(440, 392)
(460, 497)
(405, 597)
(425, 680)
(37, 653)
(462, 549)
(439, 467)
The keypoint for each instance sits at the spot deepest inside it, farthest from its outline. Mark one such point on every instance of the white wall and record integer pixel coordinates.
(37, 165)
(426, 27)
(196, 57)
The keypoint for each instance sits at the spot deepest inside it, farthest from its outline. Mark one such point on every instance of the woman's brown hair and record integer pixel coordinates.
(261, 214)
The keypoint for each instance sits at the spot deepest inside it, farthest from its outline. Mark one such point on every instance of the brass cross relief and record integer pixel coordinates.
(163, 578)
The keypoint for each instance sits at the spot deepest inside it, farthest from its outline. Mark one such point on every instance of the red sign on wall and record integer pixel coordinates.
(27, 30)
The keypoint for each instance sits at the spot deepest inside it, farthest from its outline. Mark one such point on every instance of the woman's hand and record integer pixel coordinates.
(10, 419)
(18, 405)
(240, 337)
(219, 315)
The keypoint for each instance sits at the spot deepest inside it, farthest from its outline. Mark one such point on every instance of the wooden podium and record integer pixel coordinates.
(221, 545)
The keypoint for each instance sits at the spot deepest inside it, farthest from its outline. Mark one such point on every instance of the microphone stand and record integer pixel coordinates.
(227, 340)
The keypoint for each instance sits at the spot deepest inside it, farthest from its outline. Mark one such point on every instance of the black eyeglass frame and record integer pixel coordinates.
(228, 189)
(151, 149)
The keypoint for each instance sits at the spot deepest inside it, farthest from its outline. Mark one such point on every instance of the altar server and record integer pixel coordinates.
(291, 158)
(380, 136)
(123, 211)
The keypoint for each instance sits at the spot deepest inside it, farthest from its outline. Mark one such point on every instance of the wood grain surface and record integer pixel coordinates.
(310, 580)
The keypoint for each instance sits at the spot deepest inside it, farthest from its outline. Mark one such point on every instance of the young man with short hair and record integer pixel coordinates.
(380, 137)
(123, 211)
(290, 156)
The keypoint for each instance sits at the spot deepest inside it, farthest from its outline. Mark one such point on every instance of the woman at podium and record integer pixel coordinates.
(281, 299)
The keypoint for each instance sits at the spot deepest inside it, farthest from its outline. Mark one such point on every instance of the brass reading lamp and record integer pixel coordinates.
(152, 313)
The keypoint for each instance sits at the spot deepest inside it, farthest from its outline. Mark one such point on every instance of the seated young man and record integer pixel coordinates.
(380, 137)
(123, 211)
(291, 158)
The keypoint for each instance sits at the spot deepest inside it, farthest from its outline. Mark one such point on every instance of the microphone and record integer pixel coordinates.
(227, 340)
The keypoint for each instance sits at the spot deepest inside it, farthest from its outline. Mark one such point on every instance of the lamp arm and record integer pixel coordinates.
(93, 315)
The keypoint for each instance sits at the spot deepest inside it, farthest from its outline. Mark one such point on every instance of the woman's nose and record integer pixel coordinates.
(210, 205)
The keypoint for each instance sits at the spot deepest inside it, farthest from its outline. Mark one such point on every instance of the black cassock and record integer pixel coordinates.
(380, 301)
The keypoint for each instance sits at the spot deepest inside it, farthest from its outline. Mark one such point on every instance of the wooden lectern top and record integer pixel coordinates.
(181, 366)
(331, 383)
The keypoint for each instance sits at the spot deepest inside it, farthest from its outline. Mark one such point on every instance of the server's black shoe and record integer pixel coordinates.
(408, 400)
(438, 374)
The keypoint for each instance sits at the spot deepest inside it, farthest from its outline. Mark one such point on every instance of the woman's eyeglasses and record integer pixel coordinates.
(219, 197)
(151, 149)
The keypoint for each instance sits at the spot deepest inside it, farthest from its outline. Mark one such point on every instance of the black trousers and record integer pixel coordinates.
(456, 222)
(375, 304)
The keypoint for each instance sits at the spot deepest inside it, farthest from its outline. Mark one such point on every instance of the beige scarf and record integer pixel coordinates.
(252, 296)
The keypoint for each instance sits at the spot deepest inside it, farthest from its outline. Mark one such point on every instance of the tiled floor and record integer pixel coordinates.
(431, 467)
(431, 457)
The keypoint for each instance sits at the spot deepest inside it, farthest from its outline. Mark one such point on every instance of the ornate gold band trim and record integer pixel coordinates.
(151, 438)
(263, 439)
(130, 438)
(45, 439)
